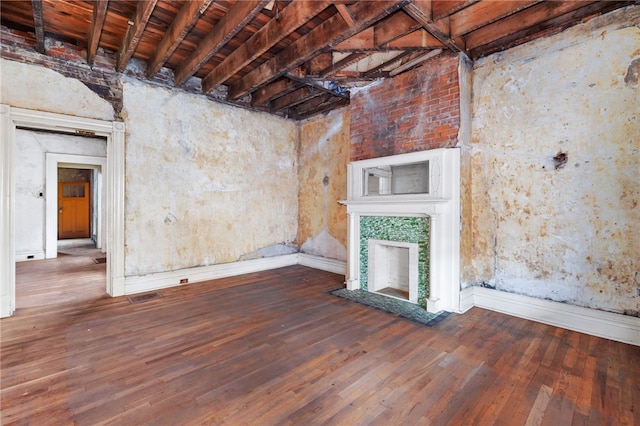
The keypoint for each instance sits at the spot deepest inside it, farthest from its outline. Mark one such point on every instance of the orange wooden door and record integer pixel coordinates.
(73, 210)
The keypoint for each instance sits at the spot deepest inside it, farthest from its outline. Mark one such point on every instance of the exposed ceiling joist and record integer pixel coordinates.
(134, 32)
(271, 91)
(341, 64)
(412, 63)
(377, 36)
(346, 15)
(238, 16)
(97, 22)
(330, 32)
(181, 25)
(38, 22)
(420, 39)
(440, 9)
(510, 25)
(379, 71)
(291, 18)
(317, 105)
(557, 18)
(296, 59)
(481, 14)
(294, 98)
(420, 10)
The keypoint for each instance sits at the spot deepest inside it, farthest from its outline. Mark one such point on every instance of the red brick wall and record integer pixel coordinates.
(414, 111)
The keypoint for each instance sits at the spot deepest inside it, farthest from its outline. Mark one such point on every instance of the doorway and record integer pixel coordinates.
(12, 118)
(74, 210)
(95, 167)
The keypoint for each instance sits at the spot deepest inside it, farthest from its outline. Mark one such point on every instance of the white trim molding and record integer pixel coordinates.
(621, 328)
(7, 213)
(322, 263)
(113, 131)
(139, 284)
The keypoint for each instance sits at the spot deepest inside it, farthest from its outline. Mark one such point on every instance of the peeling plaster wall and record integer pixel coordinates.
(324, 154)
(38, 88)
(206, 183)
(569, 234)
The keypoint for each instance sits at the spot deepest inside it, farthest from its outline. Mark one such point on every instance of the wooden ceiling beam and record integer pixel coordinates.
(346, 15)
(38, 24)
(375, 37)
(239, 15)
(556, 20)
(273, 90)
(315, 85)
(317, 105)
(440, 9)
(342, 64)
(420, 39)
(294, 98)
(327, 34)
(414, 62)
(484, 13)
(177, 31)
(421, 11)
(361, 41)
(97, 22)
(378, 71)
(290, 19)
(530, 17)
(134, 33)
(394, 27)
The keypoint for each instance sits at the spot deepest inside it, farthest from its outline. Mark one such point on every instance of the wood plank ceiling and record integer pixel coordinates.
(294, 58)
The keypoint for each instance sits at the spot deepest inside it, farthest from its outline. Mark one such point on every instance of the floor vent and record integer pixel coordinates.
(144, 297)
(100, 260)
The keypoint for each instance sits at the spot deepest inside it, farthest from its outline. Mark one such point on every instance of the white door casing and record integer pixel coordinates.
(113, 174)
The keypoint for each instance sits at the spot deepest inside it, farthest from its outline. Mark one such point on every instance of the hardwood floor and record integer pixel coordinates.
(274, 348)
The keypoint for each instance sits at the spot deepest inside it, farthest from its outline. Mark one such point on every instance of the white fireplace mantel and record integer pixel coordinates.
(440, 203)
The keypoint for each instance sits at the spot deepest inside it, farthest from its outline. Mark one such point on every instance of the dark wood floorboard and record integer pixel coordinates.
(274, 348)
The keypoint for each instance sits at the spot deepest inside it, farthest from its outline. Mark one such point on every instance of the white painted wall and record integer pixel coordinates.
(31, 149)
(206, 183)
(570, 234)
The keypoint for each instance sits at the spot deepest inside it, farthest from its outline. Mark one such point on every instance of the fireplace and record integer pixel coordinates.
(393, 269)
(404, 226)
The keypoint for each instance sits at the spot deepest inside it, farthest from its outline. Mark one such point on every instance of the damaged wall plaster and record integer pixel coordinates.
(205, 183)
(42, 89)
(569, 234)
(324, 154)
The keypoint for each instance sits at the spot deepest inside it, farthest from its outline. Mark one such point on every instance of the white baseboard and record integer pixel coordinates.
(612, 326)
(32, 255)
(138, 284)
(466, 299)
(322, 263)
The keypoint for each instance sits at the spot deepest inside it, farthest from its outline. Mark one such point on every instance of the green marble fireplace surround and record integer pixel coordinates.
(397, 228)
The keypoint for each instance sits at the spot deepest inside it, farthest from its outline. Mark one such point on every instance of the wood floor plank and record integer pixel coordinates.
(274, 348)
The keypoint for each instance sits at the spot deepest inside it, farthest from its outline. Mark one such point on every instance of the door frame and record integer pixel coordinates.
(71, 161)
(113, 131)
